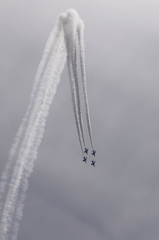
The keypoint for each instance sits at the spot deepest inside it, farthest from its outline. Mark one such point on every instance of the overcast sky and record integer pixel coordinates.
(68, 199)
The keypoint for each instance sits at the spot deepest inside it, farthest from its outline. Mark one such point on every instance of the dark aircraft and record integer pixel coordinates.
(93, 152)
(85, 159)
(93, 163)
(86, 150)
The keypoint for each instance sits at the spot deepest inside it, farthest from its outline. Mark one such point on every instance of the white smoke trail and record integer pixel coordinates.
(74, 63)
(61, 44)
(69, 22)
(29, 139)
(54, 80)
(70, 70)
(20, 134)
(83, 71)
(72, 50)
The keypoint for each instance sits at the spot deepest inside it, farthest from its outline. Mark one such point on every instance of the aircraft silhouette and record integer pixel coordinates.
(93, 152)
(85, 159)
(86, 150)
(93, 163)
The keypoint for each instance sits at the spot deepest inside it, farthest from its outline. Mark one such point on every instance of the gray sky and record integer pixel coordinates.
(67, 199)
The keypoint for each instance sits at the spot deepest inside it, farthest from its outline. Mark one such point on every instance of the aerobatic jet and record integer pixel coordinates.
(93, 152)
(85, 159)
(93, 163)
(86, 150)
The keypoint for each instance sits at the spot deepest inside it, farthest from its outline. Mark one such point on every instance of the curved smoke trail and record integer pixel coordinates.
(74, 62)
(73, 59)
(32, 137)
(69, 23)
(50, 92)
(20, 134)
(83, 71)
(61, 45)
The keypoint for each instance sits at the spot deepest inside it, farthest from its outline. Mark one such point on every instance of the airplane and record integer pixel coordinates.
(93, 163)
(85, 159)
(86, 150)
(93, 152)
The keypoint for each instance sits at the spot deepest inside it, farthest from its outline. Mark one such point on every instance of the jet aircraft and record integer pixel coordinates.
(85, 159)
(93, 163)
(93, 152)
(86, 150)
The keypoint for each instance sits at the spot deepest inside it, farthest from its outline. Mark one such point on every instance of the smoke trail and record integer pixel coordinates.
(73, 56)
(27, 144)
(16, 146)
(69, 22)
(70, 70)
(62, 43)
(54, 80)
(83, 71)
(74, 63)
(20, 134)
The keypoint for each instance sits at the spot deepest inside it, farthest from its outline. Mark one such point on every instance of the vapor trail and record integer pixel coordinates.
(69, 22)
(83, 71)
(74, 102)
(74, 62)
(54, 80)
(20, 134)
(61, 45)
(32, 137)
